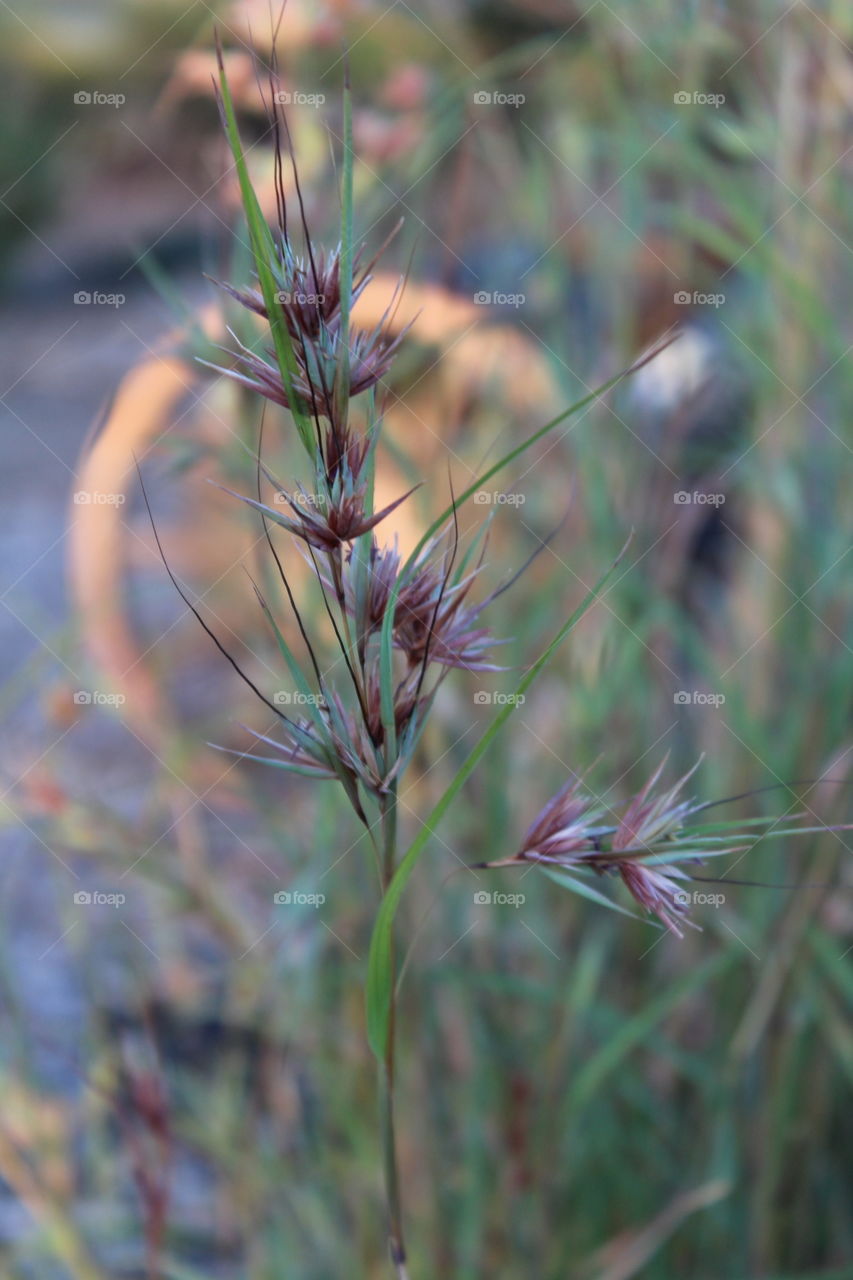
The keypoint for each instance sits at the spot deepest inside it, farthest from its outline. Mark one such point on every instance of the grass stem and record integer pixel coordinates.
(387, 1068)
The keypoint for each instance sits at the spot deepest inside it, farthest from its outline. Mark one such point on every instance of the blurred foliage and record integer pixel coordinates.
(572, 1078)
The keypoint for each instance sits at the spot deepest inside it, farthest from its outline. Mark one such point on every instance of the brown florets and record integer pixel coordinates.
(568, 832)
(433, 619)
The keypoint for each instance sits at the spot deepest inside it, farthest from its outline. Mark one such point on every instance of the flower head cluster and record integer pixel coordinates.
(316, 366)
(354, 743)
(400, 629)
(649, 830)
(308, 296)
(327, 520)
(362, 737)
(317, 361)
(434, 619)
(565, 829)
(308, 288)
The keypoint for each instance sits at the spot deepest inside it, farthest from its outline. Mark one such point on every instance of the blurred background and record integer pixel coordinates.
(184, 1069)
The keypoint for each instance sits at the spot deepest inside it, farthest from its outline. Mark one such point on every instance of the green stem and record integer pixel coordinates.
(386, 1068)
(389, 836)
(392, 1177)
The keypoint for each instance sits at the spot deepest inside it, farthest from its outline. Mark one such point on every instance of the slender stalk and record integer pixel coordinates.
(389, 836)
(392, 1178)
(387, 1067)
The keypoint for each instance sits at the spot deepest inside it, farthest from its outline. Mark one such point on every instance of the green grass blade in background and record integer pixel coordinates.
(596, 1070)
